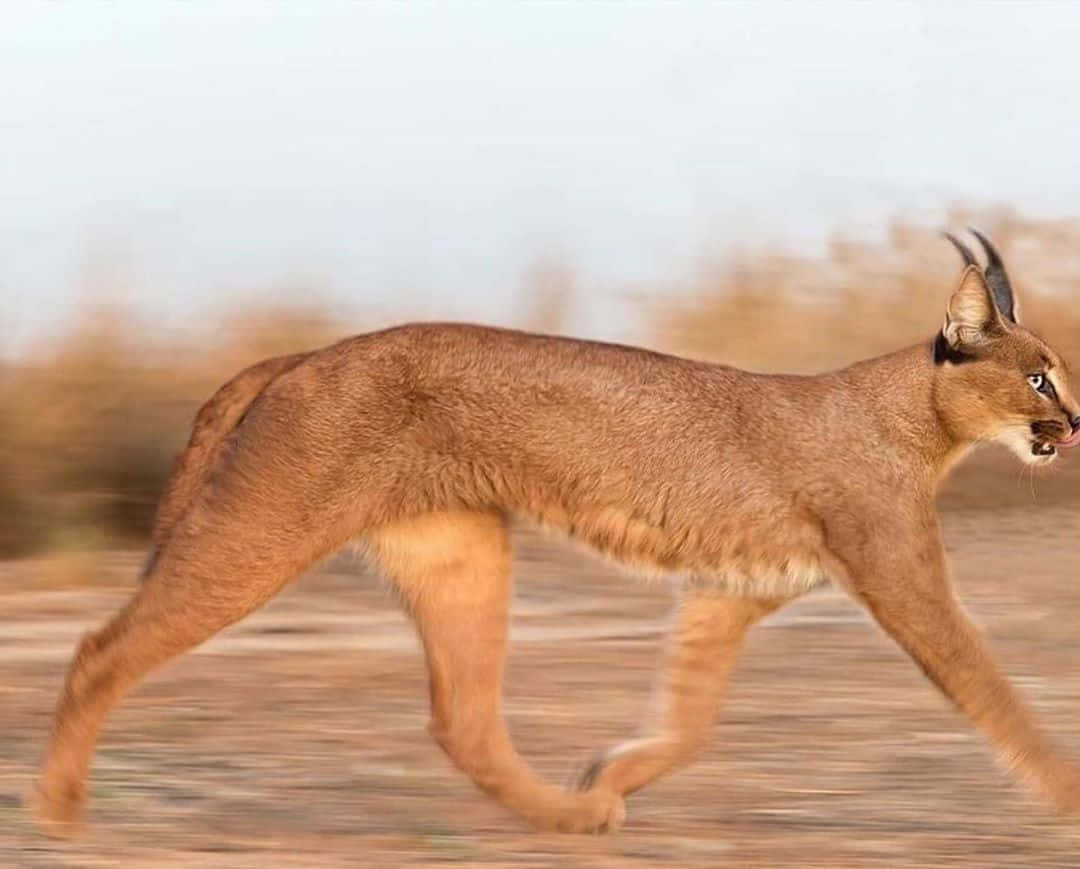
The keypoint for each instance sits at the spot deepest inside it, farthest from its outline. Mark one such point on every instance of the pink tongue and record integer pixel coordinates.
(1071, 441)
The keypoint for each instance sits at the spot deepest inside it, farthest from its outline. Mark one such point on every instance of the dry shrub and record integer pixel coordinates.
(95, 420)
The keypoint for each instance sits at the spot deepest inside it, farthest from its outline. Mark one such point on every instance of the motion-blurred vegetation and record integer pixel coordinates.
(95, 419)
(91, 422)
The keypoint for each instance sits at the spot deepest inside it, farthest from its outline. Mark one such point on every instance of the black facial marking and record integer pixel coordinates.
(945, 352)
(1045, 428)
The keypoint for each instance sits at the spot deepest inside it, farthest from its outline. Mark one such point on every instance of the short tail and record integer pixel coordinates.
(214, 422)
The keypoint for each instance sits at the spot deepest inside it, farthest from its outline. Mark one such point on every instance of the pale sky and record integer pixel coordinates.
(422, 156)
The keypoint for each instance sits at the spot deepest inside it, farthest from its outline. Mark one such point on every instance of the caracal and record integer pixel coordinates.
(419, 443)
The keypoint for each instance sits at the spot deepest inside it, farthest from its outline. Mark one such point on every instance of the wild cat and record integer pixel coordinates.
(421, 441)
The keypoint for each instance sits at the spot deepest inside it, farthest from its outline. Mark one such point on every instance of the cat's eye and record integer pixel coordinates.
(1040, 383)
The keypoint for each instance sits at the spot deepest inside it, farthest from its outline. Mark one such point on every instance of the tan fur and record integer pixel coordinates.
(215, 419)
(747, 490)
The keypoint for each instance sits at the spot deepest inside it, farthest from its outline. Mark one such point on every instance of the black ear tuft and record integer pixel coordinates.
(965, 251)
(997, 278)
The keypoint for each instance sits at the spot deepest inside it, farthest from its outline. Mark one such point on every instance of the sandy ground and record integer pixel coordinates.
(297, 738)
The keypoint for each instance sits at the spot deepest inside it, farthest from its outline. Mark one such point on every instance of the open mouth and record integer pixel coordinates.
(1047, 448)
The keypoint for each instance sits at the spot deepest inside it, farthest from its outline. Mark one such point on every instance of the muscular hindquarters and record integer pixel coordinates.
(214, 423)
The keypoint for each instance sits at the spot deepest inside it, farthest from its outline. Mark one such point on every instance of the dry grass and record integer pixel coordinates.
(92, 421)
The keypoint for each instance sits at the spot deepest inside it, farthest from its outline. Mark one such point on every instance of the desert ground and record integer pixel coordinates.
(297, 738)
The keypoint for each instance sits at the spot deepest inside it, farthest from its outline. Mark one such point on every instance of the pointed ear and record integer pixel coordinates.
(997, 278)
(972, 317)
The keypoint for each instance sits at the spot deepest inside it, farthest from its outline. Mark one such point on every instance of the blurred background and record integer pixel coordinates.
(185, 189)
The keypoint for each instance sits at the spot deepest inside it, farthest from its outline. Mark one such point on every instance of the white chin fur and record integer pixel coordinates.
(1018, 439)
